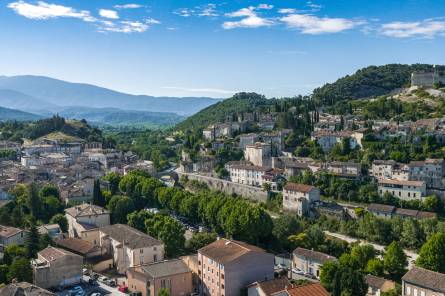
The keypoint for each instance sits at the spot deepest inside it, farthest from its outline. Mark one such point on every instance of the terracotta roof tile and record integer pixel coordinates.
(298, 187)
(314, 289)
(225, 250)
(426, 278)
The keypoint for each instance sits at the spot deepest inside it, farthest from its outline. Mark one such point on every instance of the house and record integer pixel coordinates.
(259, 154)
(378, 285)
(92, 255)
(268, 287)
(85, 217)
(227, 266)
(423, 282)
(247, 139)
(382, 211)
(173, 275)
(406, 190)
(299, 198)
(309, 261)
(248, 174)
(56, 267)
(382, 169)
(23, 289)
(12, 236)
(328, 139)
(142, 165)
(311, 289)
(348, 170)
(129, 247)
(331, 209)
(53, 230)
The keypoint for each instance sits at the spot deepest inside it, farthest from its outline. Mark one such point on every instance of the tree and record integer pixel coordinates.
(285, 226)
(33, 201)
(32, 241)
(362, 254)
(61, 220)
(395, 261)
(113, 180)
(12, 252)
(20, 269)
(98, 198)
(163, 292)
(49, 190)
(45, 241)
(432, 254)
(169, 231)
(341, 279)
(120, 206)
(375, 267)
(3, 273)
(200, 240)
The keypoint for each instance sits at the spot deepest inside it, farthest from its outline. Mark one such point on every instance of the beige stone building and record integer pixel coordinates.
(12, 236)
(299, 198)
(173, 275)
(309, 261)
(56, 268)
(423, 282)
(378, 285)
(226, 266)
(259, 154)
(130, 247)
(406, 190)
(85, 217)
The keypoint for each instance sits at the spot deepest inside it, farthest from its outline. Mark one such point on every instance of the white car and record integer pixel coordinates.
(297, 271)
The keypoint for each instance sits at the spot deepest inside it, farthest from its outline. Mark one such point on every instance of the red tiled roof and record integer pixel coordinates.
(298, 187)
(225, 250)
(314, 289)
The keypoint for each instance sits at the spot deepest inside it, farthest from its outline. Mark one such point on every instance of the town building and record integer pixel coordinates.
(268, 287)
(227, 266)
(423, 282)
(328, 139)
(378, 285)
(310, 289)
(56, 268)
(53, 230)
(309, 261)
(247, 174)
(172, 275)
(142, 165)
(23, 289)
(247, 139)
(129, 247)
(299, 198)
(348, 170)
(406, 190)
(85, 217)
(259, 154)
(12, 236)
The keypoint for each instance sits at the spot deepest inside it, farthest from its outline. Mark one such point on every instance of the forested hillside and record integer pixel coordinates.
(371, 81)
(13, 130)
(241, 102)
(12, 114)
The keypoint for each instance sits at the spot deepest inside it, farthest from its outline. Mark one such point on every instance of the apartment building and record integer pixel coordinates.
(406, 190)
(259, 154)
(423, 282)
(55, 268)
(299, 198)
(227, 266)
(129, 247)
(248, 174)
(85, 217)
(172, 275)
(309, 261)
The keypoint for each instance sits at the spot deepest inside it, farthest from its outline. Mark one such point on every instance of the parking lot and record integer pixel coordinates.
(89, 289)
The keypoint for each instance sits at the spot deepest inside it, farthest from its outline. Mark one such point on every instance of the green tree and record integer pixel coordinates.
(285, 226)
(33, 201)
(200, 240)
(395, 261)
(98, 198)
(49, 190)
(375, 267)
(113, 180)
(120, 206)
(3, 273)
(32, 241)
(20, 269)
(432, 254)
(163, 292)
(137, 219)
(61, 220)
(169, 231)
(362, 254)
(13, 251)
(44, 241)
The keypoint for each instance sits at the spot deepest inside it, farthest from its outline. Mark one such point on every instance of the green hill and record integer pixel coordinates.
(368, 82)
(12, 114)
(241, 102)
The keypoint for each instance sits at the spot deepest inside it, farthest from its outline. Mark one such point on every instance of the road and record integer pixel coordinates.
(412, 256)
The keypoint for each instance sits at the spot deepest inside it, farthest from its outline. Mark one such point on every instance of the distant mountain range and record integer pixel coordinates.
(46, 96)
(12, 114)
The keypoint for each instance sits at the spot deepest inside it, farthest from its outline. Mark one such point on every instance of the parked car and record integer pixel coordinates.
(103, 279)
(110, 282)
(92, 282)
(123, 289)
(297, 271)
(85, 271)
(94, 276)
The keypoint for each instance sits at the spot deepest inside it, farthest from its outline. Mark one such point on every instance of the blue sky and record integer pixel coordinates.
(216, 48)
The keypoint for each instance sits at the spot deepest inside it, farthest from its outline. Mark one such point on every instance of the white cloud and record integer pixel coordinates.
(128, 6)
(423, 29)
(313, 6)
(152, 21)
(265, 6)
(44, 11)
(310, 24)
(111, 14)
(124, 27)
(287, 10)
(184, 12)
(250, 19)
(208, 10)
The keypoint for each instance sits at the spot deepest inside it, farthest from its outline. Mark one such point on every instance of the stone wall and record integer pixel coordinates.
(426, 79)
(249, 192)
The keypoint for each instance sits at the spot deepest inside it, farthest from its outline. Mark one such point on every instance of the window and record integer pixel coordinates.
(415, 292)
(141, 251)
(222, 276)
(199, 262)
(155, 258)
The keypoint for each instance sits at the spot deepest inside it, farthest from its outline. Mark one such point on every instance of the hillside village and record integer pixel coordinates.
(280, 197)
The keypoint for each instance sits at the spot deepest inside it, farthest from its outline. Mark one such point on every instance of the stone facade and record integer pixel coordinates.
(259, 154)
